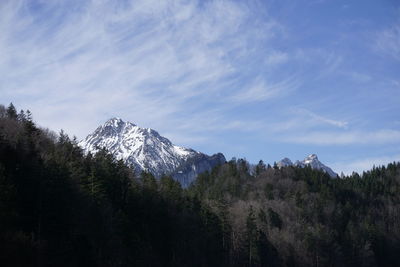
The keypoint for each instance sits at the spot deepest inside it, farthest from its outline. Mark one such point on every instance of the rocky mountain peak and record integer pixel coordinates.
(311, 160)
(284, 163)
(146, 150)
(312, 157)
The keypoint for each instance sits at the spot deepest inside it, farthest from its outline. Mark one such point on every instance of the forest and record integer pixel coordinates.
(60, 207)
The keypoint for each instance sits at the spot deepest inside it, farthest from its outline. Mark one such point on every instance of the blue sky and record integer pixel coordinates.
(254, 79)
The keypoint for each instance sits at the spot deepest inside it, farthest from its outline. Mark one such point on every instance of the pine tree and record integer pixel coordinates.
(12, 112)
(21, 116)
(260, 167)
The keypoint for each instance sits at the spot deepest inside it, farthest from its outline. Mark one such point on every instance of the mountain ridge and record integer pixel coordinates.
(311, 160)
(146, 150)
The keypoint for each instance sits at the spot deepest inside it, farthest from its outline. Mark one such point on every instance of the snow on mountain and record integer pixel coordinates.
(312, 161)
(145, 149)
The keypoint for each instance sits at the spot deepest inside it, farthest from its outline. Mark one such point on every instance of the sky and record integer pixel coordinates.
(251, 79)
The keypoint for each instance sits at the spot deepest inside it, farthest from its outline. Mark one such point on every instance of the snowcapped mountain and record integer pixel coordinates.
(312, 161)
(145, 149)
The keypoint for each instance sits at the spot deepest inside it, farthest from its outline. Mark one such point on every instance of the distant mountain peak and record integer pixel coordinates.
(114, 122)
(146, 150)
(284, 163)
(312, 157)
(117, 119)
(311, 160)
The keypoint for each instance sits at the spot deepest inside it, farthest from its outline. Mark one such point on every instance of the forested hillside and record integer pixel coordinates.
(59, 207)
(301, 217)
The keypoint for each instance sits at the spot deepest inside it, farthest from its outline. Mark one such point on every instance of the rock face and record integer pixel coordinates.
(145, 150)
(284, 163)
(188, 171)
(312, 161)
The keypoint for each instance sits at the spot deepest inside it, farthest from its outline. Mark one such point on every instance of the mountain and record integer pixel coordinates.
(312, 161)
(199, 163)
(146, 150)
(284, 163)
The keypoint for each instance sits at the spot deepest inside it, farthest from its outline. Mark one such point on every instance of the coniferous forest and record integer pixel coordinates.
(59, 207)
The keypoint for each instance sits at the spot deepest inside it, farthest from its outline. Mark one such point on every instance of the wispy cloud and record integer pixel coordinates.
(277, 58)
(388, 41)
(261, 90)
(346, 138)
(322, 62)
(144, 60)
(321, 119)
(359, 77)
(295, 122)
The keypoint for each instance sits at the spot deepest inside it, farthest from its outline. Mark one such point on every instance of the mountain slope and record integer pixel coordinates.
(312, 161)
(146, 150)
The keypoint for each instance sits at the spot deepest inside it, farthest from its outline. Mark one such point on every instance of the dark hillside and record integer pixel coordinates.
(61, 208)
(301, 217)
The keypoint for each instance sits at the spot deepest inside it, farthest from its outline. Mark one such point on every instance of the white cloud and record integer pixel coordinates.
(151, 62)
(359, 77)
(321, 119)
(319, 63)
(277, 58)
(261, 89)
(346, 138)
(388, 41)
(290, 123)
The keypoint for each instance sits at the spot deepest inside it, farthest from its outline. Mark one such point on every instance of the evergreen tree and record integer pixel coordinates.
(12, 112)
(260, 167)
